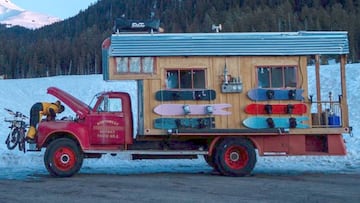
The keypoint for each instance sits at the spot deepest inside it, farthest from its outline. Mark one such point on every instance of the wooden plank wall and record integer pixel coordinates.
(243, 67)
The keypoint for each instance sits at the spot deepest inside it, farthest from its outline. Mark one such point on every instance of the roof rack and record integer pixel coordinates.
(122, 25)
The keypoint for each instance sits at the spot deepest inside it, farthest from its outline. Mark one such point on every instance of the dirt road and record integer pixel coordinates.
(174, 187)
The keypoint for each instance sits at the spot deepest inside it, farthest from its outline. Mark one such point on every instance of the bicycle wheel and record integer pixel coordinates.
(21, 140)
(12, 139)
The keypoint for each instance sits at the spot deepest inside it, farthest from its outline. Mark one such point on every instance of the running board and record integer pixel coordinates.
(163, 156)
(149, 152)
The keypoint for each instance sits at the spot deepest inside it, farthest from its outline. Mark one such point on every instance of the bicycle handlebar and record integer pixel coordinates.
(16, 114)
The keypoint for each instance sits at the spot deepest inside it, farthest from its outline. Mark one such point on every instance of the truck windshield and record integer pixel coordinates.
(94, 99)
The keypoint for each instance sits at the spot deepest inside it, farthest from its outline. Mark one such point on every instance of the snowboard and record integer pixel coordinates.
(277, 122)
(260, 94)
(276, 109)
(173, 123)
(176, 95)
(191, 109)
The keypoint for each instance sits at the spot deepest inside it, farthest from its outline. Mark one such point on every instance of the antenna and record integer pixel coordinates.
(153, 10)
(217, 28)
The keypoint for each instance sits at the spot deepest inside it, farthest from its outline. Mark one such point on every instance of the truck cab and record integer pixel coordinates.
(110, 120)
(104, 126)
(107, 124)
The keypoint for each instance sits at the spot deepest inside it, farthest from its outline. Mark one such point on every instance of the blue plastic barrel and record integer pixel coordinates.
(334, 120)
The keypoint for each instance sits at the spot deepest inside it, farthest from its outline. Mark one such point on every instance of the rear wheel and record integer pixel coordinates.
(22, 144)
(209, 160)
(235, 157)
(21, 140)
(63, 158)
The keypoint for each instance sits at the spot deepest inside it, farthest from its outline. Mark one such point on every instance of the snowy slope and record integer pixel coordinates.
(22, 93)
(8, 6)
(11, 15)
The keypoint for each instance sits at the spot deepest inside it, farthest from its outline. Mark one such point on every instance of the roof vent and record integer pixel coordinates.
(216, 28)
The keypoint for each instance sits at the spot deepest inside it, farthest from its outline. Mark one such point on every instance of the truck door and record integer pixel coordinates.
(109, 122)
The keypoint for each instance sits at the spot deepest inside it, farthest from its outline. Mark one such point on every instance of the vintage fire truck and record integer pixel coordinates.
(225, 96)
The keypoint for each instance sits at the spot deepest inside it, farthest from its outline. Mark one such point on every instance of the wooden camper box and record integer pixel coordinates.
(204, 63)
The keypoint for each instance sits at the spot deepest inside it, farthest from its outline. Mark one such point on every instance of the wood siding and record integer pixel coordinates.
(243, 67)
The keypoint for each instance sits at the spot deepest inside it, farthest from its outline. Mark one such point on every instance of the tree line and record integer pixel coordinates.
(73, 46)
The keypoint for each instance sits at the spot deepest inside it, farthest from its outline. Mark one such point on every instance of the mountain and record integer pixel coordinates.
(12, 15)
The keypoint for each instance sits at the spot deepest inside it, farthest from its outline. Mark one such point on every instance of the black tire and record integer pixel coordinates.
(63, 158)
(13, 139)
(210, 160)
(235, 157)
(22, 146)
(21, 140)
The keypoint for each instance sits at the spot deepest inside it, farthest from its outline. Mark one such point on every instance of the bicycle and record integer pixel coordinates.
(18, 127)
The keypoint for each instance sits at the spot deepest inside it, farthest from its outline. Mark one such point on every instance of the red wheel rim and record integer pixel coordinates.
(236, 157)
(64, 158)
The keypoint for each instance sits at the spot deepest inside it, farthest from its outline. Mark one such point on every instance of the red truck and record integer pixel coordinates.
(107, 127)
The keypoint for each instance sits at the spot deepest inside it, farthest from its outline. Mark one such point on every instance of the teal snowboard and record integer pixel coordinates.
(261, 94)
(176, 123)
(260, 122)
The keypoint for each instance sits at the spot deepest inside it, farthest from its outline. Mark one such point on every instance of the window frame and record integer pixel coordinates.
(283, 76)
(108, 104)
(142, 61)
(191, 69)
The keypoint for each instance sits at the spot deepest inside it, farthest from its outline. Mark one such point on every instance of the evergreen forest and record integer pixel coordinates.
(73, 46)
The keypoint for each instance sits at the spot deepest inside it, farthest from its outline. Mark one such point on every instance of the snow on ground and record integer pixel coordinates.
(21, 94)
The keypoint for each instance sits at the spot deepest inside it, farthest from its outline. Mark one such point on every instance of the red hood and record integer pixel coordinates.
(79, 107)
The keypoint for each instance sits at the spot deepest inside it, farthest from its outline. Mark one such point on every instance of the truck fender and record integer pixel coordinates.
(61, 134)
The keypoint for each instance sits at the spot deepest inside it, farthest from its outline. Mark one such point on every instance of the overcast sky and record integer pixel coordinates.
(58, 8)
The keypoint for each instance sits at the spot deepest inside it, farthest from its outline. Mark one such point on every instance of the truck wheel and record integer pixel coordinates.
(63, 158)
(235, 157)
(209, 160)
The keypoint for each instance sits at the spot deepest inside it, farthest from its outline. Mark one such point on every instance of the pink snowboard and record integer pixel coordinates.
(191, 109)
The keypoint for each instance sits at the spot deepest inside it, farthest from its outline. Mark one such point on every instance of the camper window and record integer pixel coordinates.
(185, 79)
(135, 65)
(276, 76)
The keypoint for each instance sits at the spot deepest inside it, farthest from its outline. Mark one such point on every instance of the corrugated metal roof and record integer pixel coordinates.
(230, 44)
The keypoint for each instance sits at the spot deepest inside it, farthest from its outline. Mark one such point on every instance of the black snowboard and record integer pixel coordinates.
(175, 95)
(181, 123)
